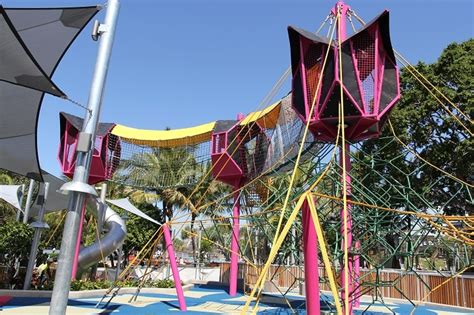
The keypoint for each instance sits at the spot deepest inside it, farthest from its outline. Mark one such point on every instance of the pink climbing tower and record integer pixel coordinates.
(107, 149)
(232, 165)
(370, 83)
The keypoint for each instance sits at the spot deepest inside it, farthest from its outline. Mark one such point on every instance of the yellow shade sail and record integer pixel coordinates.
(266, 118)
(166, 138)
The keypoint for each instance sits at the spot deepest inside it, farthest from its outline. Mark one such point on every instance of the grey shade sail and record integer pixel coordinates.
(47, 34)
(126, 205)
(56, 201)
(11, 194)
(17, 65)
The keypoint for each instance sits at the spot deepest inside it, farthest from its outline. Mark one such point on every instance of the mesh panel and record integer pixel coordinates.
(256, 151)
(332, 107)
(152, 167)
(349, 76)
(156, 168)
(313, 60)
(328, 78)
(298, 98)
(389, 85)
(364, 48)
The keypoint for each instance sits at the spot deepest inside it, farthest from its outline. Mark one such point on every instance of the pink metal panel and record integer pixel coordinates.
(365, 65)
(104, 161)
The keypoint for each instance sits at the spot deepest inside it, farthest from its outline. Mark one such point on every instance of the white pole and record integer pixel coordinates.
(18, 212)
(39, 226)
(28, 201)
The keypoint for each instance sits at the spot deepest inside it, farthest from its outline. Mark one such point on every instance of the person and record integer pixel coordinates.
(44, 271)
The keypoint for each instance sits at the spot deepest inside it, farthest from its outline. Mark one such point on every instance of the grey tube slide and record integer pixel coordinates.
(117, 231)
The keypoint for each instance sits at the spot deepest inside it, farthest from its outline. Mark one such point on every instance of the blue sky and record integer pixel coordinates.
(186, 62)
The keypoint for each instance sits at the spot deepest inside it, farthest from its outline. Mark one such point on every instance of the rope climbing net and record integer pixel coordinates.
(392, 222)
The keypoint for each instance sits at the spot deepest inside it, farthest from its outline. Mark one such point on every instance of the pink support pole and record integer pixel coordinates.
(311, 263)
(174, 268)
(356, 276)
(78, 243)
(347, 214)
(234, 247)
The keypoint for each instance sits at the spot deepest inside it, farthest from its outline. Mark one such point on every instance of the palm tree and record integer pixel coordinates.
(162, 174)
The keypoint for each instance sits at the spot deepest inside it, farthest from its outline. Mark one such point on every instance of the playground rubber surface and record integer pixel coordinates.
(205, 300)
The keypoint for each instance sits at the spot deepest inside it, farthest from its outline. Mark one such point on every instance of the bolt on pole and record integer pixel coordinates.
(29, 196)
(78, 188)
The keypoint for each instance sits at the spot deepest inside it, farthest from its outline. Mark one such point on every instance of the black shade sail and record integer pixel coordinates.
(33, 41)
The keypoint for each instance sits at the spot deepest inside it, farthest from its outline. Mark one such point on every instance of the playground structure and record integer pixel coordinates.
(343, 89)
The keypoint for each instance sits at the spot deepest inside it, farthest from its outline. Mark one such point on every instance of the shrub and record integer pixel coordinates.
(80, 285)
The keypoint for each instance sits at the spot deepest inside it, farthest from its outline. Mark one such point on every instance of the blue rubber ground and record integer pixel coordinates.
(210, 301)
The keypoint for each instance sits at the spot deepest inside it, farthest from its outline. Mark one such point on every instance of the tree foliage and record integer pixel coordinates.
(421, 122)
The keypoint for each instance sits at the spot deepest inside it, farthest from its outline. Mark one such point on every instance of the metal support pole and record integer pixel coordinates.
(256, 248)
(29, 196)
(39, 226)
(101, 214)
(199, 254)
(293, 246)
(174, 267)
(356, 290)
(100, 223)
(120, 250)
(78, 244)
(349, 268)
(346, 219)
(234, 247)
(18, 212)
(311, 262)
(18, 218)
(78, 188)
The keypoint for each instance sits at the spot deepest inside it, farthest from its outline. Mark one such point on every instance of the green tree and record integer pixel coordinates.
(393, 176)
(434, 134)
(15, 242)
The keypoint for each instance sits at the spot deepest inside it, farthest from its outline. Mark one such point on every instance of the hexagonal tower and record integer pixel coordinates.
(232, 165)
(366, 71)
(370, 79)
(106, 154)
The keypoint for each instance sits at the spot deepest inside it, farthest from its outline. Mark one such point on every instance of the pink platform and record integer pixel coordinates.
(230, 162)
(106, 155)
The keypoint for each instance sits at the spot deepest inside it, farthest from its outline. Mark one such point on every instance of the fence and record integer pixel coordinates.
(393, 283)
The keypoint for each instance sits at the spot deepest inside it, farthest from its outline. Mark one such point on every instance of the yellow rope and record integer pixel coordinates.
(249, 128)
(222, 247)
(436, 98)
(403, 59)
(273, 253)
(422, 215)
(140, 252)
(428, 217)
(424, 160)
(298, 157)
(223, 198)
(56, 228)
(413, 70)
(439, 286)
(97, 234)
